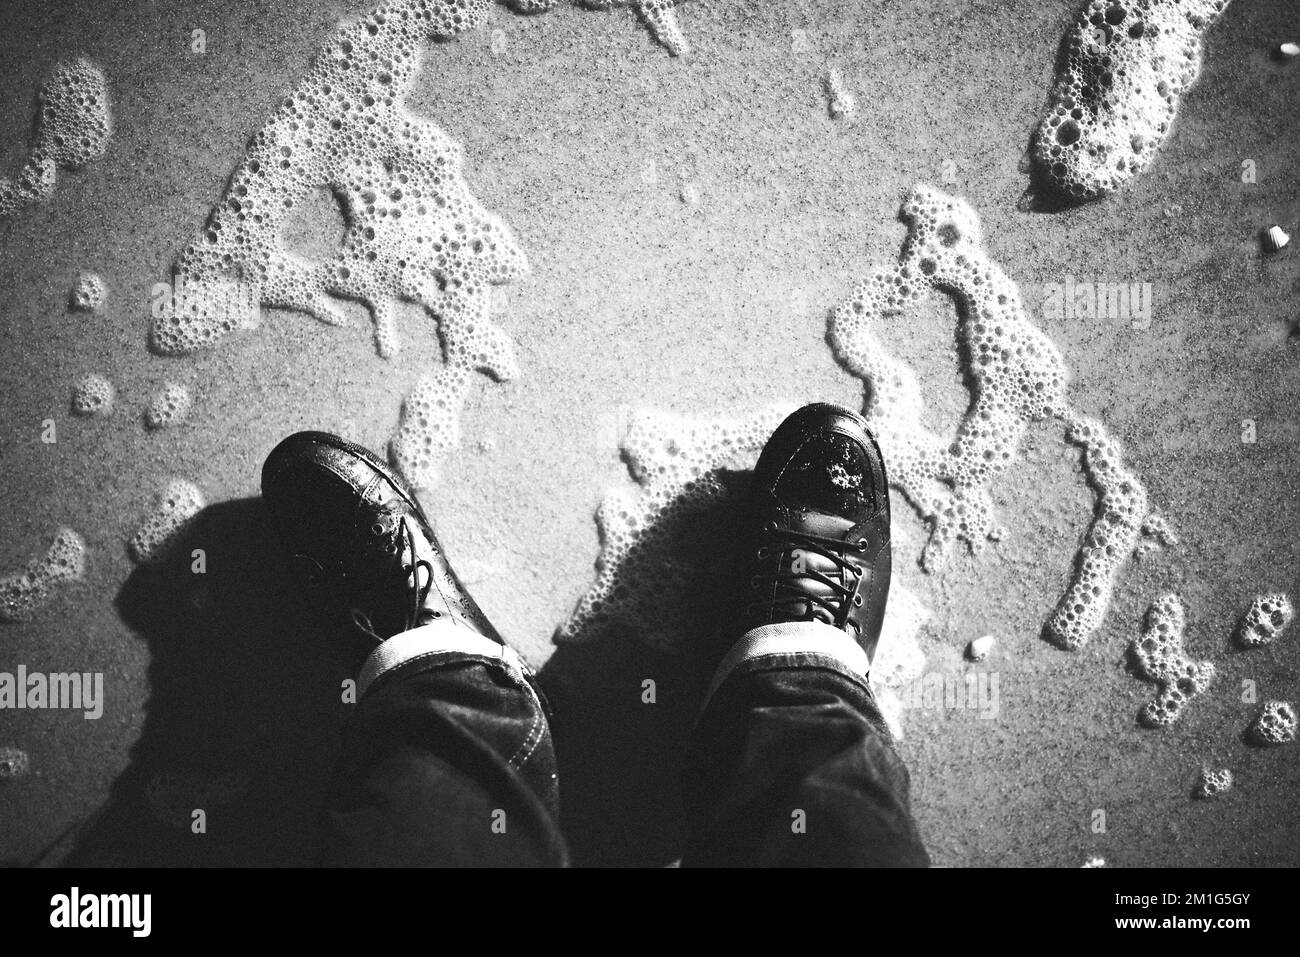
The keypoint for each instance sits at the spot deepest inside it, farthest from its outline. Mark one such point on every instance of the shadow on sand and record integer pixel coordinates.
(245, 710)
(620, 754)
(243, 714)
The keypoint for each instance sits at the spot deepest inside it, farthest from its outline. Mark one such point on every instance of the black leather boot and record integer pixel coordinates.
(815, 544)
(359, 541)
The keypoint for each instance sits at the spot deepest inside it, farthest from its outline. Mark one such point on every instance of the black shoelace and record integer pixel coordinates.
(410, 582)
(791, 581)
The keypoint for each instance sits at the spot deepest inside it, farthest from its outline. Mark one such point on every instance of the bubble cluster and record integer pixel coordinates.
(1212, 783)
(429, 425)
(665, 545)
(1265, 620)
(93, 395)
(1112, 536)
(14, 763)
(840, 104)
(172, 510)
(169, 406)
(1018, 376)
(1275, 723)
(89, 294)
(173, 796)
(1156, 534)
(23, 593)
(73, 127)
(414, 231)
(1159, 657)
(658, 15)
(1128, 63)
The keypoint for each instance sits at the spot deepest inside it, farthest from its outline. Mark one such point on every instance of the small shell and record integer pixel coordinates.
(1275, 238)
(979, 649)
(1289, 50)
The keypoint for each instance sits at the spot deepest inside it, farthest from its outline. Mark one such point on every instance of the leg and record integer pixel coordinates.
(449, 759)
(791, 762)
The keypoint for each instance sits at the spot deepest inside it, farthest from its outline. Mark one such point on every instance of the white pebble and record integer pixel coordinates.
(1275, 239)
(1289, 50)
(979, 649)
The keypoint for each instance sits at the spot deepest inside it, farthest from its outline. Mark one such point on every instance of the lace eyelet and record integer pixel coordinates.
(862, 544)
(857, 601)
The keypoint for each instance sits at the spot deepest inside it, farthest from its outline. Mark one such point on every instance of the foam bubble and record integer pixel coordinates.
(1275, 723)
(172, 510)
(1128, 63)
(90, 293)
(14, 763)
(1213, 782)
(658, 15)
(93, 395)
(414, 231)
(169, 406)
(23, 593)
(1265, 620)
(1156, 534)
(840, 104)
(1159, 657)
(429, 426)
(1110, 539)
(1019, 377)
(73, 127)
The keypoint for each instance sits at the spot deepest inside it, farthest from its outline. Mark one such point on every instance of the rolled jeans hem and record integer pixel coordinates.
(791, 640)
(437, 643)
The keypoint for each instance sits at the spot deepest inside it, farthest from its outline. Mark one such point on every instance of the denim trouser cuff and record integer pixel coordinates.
(437, 642)
(806, 639)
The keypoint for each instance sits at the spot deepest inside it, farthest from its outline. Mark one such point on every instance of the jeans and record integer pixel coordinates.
(449, 760)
